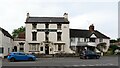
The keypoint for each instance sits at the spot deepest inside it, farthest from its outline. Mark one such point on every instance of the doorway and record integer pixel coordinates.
(15, 48)
(46, 49)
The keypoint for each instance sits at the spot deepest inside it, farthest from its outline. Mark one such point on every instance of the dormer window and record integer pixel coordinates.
(34, 26)
(92, 39)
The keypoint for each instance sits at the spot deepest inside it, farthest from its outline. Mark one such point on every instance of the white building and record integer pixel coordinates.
(19, 43)
(6, 43)
(50, 35)
(87, 39)
(47, 35)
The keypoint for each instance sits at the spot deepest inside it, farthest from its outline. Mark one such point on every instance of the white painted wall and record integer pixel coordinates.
(52, 36)
(6, 43)
(97, 41)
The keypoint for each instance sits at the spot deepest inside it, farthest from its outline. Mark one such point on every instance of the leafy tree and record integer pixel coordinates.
(101, 47)
(113, 41)
(118, 39)
(17, 31)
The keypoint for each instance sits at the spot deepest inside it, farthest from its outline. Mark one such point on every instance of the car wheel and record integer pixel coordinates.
(30, 59)
(12, 59)
(86, 57)
(97, 57)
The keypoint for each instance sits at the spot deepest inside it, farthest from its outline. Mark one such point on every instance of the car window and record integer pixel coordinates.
(21, 53)
(16, 53)
(89, 52)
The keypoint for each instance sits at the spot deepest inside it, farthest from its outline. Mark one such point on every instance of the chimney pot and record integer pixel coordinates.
(28, 15)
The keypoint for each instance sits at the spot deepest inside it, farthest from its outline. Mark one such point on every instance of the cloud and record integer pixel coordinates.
(104, 21)
(82, 13)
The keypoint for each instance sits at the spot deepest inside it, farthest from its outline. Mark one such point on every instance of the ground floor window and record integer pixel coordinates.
(34, 47)
(21, 48)
(8, 50)
(41, 48)
(1, 50)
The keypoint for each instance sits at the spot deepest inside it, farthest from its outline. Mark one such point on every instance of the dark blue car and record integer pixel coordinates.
(15, 56)
(88, 54)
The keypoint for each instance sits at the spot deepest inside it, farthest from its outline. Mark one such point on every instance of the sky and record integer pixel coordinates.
(81, 13)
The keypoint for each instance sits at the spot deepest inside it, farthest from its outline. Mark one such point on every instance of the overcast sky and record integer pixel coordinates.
(82, 13)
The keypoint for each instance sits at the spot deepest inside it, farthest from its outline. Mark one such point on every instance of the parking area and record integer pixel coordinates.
(66, 61)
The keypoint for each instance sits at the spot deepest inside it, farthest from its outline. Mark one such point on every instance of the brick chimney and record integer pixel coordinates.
(91, 28)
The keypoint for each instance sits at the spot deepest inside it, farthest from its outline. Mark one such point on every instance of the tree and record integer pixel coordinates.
(113, 41)
(118, 39)
(17, 31)
(101, 47)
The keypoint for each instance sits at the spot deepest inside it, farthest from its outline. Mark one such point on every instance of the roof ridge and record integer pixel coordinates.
(46, 17)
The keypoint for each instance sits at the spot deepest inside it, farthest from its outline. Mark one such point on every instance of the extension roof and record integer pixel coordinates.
(5, 33)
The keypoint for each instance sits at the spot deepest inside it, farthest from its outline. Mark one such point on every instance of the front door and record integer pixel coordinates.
(46, 49)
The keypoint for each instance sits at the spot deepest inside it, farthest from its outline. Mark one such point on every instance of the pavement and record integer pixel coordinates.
(66, 61)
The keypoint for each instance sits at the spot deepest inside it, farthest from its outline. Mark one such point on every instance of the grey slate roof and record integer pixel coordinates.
(86, 33)
(46, 20)
(5, 33)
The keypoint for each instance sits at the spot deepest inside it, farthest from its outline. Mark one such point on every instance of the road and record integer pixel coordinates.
(67, 61)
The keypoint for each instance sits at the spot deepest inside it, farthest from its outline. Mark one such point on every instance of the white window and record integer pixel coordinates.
(34, 47)
(73, 40)
(81, 39)
(100, 40)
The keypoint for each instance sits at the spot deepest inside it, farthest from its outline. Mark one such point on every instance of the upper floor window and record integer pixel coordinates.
(73, 40)
(100, 40)
(58, 26)
(92, 40)
(34, 26)
(34, 36)
(47, 25)
(46, 36)
(59, 36)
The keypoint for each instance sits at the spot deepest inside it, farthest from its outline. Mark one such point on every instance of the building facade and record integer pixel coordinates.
(19, 43)
(47, 35)
(51, 35)
(88, 39)
(6, 43)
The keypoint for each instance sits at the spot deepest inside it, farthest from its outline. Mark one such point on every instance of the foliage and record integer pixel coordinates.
(17, 31)
(101, 46)
(113, 41)
(118, 39)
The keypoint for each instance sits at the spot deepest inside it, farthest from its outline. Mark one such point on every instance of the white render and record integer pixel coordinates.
(52, 38)
(94, 44)
(6, 43)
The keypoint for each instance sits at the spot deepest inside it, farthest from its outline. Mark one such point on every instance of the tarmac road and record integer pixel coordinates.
(66, 61)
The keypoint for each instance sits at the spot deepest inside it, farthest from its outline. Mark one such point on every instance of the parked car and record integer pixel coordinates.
(17, 56)
(88, 54)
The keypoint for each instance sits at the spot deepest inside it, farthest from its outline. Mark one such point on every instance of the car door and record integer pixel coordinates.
(23, 56)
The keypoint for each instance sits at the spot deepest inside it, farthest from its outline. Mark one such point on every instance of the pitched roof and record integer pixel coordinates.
(21, 35)
(86, 33)
(47, 20)
(5, 33)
